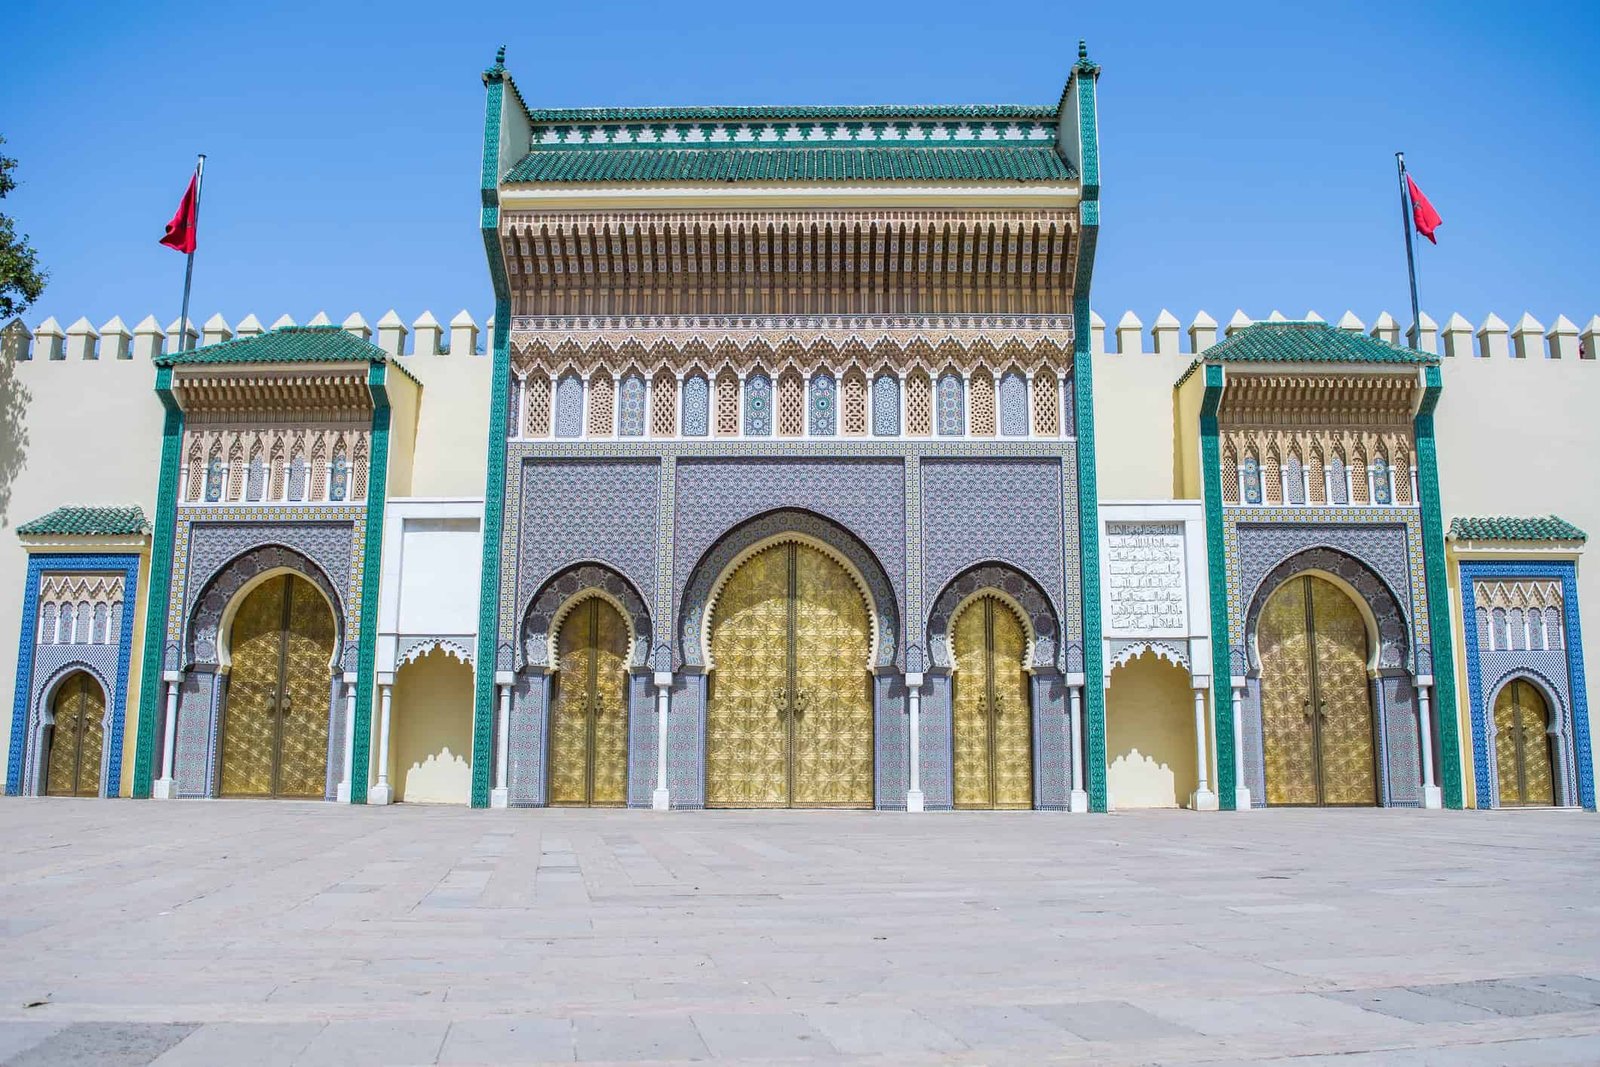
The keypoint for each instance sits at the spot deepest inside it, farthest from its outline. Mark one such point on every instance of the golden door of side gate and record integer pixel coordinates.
(991, 718)
(589, 718)
(1522, 747)
(77, 739)
(275, 723)
(789, 715)
(1316, 713)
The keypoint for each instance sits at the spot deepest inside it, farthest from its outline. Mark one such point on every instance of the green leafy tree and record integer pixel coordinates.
(21, 280)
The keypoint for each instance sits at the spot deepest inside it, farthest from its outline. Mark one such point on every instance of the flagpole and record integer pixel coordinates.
(1411, 258)
(188, 270)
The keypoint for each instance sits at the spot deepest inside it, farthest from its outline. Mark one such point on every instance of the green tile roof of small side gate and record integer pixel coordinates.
(76, 520)
(1027, 164)
(286, 344)
(1510, 528)
(777, 111)
(1309, 342)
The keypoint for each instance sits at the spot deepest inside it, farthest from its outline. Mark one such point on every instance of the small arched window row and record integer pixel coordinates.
(1516, 630)
(275, 467)
(1255, 476)
(765, 402)
(79, 623)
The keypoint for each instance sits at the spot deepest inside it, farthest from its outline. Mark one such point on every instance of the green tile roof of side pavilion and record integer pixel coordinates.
(1007, 143)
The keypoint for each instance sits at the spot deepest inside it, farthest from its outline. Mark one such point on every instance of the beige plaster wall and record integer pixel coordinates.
(431, 719)
(1150, 751)
(71, 432)
(452, 424)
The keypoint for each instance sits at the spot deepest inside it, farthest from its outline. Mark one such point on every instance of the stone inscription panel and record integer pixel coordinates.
(1146, 588)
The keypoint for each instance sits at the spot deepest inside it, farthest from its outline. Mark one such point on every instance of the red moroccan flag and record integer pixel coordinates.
(184, 228)
(1422, 212)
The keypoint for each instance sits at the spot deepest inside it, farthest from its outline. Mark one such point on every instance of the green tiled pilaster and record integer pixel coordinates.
(483, 704)
(1217, 580)
(1440, 623)
(1094, 690)
(159, 591)
(371, 562)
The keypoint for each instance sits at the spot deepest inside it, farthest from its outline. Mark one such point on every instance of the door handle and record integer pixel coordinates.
(284, 704)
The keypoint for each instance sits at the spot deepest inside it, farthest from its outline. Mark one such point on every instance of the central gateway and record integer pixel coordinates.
(789, 722)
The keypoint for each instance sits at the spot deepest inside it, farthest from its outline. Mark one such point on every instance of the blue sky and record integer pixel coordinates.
(1247, 148)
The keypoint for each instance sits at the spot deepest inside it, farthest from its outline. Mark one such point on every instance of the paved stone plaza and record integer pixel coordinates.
(248, 933)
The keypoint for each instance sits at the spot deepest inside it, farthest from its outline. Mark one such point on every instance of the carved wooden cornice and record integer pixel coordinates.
(1308, 400)
(789, 261)
(335, 395)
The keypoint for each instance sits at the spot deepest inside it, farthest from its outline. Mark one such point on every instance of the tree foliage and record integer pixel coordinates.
(21, 280)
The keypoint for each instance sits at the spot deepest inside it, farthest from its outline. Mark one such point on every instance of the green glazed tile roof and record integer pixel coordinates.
(759, 113)
(1510, 528)
(1021, 164)
(287, 344)
(1308, 342)
(79, 521)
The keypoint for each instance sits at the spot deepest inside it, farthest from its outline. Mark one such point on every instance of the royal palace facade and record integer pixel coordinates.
(793, 469)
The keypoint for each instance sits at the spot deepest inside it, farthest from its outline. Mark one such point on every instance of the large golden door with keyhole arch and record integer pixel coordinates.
(589, 717)
(1316, 714)
(789, 713)
(991, 720)
(77, 740)
(1522, 747)
(275, 721)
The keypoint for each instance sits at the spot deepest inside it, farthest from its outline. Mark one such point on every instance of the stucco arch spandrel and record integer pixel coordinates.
(1013, 585)
(1383, 610)
(203, 634)
(777, 527)
(559, 594)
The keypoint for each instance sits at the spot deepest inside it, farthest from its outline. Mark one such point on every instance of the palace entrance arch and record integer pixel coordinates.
(1522, 746)
(789, 717)
(589, 716)
(77, 738)
(275, 718)
(992, 717)
(1317, 722)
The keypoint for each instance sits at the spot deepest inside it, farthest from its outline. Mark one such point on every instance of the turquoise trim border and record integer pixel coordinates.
(1217, 579)
(159, 592)
(1439, 622)
(1094, 690)
(371, 562)
(483, 702)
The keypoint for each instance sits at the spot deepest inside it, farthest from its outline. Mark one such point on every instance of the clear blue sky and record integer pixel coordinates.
(1247, 148)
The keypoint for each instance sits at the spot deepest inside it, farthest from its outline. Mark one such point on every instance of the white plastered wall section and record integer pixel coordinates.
(90, 433)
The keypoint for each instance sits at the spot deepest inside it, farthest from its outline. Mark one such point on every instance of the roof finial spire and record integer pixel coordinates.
(500, 55)
(1083, 49)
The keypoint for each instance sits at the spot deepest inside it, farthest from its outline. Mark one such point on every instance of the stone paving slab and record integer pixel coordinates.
(246, 933)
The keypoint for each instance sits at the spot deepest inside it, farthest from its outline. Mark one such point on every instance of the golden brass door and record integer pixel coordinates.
(990, 715)
(1522, 747)
(1316, 714)
(789, 714)
(275, 723)
(589, 716)
(77, 740)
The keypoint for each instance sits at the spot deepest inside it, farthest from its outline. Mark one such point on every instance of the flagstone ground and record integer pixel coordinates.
(257, 933)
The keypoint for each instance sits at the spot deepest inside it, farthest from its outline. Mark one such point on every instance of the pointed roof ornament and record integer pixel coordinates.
(1085, 65)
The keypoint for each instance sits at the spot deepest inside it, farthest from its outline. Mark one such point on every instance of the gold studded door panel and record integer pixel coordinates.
(747, 748)
(610, 730)
(1522, 747)
(77, 740)
(992, 721)
(303, 710)
(589, 718)
(1288, 736)
(249, 724)
(831, 703)
(969, 643)
(1343, 702)
(1013, 718)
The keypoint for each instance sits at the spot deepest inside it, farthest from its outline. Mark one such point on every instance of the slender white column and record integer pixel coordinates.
(1432, 797)
(349, 737)
(661, 799)
(1203, 799)
(165, 787)
(1079, 799)
(383, 793)
(1241, 793)
(500, 795)
(914, 798)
